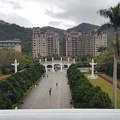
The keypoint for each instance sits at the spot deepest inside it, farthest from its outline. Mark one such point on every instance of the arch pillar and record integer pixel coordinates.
(46, 64)
(68, 65)
(53, 67)
(68, 59)
(68, 62)
(74, 61)
(39, 60)
(46, 67)
(53, 64)
(61, 65)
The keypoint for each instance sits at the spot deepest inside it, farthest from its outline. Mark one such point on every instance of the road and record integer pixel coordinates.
(39, 97)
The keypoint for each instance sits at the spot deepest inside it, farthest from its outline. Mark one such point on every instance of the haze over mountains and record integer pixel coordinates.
(10, 31)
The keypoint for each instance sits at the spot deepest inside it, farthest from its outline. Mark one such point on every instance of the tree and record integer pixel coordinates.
(100, 100)
(5, 102)
(102, 49)
(84, 94)
(10, 91)
(113, 13)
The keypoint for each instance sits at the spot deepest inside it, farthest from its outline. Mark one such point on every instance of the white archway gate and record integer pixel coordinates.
(54, 62)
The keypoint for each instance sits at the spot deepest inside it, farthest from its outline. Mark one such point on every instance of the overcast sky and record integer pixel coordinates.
(56, 13)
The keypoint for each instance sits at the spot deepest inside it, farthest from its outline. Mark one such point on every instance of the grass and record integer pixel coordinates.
(105, 86)
(4, 77)
(110, 78)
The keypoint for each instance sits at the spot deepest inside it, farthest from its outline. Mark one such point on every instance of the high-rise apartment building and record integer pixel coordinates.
(91, 41)
(83, 43)
(44, 43)
(71, 43)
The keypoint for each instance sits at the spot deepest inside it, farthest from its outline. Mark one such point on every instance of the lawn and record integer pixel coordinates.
(105, 86)
(110, 78)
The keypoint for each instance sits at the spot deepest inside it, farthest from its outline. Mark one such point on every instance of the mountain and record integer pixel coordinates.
(3, 22)
(11, 31)
(49, 28)
(83, 27)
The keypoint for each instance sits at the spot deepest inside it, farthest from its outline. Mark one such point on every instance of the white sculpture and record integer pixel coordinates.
(92, 76)
(15, 64)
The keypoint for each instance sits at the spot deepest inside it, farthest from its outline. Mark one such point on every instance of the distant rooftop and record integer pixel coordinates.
(14, 40)
(6, 41)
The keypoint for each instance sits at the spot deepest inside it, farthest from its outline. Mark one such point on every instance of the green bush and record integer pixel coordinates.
(15, 86)
(84, 94)
(5, 102)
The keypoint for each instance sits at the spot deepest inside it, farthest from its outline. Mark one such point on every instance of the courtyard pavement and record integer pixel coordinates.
(39, 97)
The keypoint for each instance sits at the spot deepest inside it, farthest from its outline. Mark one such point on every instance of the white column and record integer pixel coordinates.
(15, 64)
(68, 65)
(61, 64)
(68, 59)
(39, 60)
(45, 59)
(68, 62)
(53, 64)
(46, 64)
(52, 59)
(53, 67)
(46, 67)
(74, 61)
(61, 59)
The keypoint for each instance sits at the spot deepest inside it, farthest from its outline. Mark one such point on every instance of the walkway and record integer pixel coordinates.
(39, 97)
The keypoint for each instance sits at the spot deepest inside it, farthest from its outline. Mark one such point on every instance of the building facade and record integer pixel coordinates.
(44, 43)
(14, 45)
(71, 43)
(83, 43)
(91, 41)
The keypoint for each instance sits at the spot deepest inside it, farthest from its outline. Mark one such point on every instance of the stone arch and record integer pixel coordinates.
(56, 66)
(49, 67)
(65, 66)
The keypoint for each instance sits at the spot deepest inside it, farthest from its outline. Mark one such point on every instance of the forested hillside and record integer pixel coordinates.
(11, 31)
(83, 27)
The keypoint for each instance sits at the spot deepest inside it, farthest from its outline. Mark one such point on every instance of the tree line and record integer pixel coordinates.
(109, 68)
(13, 89)
(84, 94)
(8, 56)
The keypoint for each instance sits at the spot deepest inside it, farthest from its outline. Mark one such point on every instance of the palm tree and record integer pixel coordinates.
(102, 49)
(113, 13)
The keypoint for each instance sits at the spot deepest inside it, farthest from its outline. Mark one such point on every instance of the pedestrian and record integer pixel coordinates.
(50, 90)
(56, 84)
(71, 101)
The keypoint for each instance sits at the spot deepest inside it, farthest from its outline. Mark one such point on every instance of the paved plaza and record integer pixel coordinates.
(39, 97)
